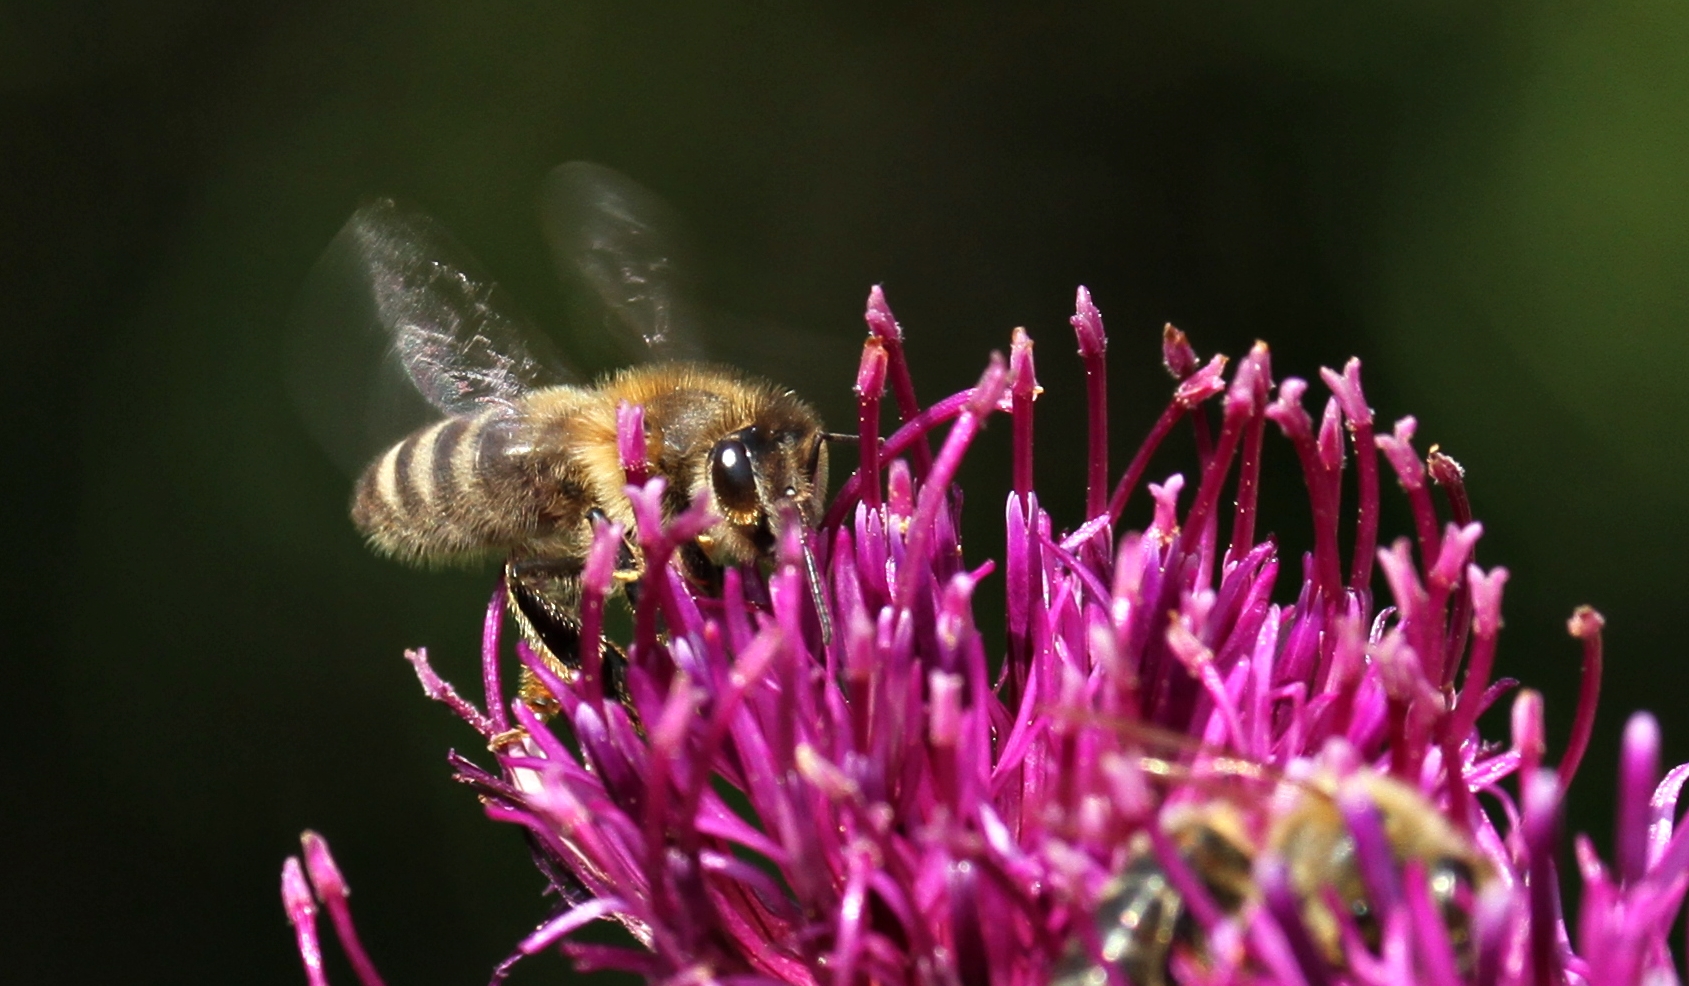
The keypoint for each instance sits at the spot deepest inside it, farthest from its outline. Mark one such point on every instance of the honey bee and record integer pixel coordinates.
(524, 462)
(1318, 850)
(1143, 917)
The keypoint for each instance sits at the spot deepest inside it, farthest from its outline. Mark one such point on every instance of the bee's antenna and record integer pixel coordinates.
(840, 437)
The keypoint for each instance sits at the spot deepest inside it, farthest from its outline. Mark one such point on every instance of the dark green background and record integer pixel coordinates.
(1487, 202)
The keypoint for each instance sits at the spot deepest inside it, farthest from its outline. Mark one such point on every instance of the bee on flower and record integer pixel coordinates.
(1179, 765)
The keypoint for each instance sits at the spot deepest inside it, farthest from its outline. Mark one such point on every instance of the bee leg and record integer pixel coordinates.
(542, 596)
(817, 595)
(630, 562)
(700, 570)
(545, 598)
(571, 892)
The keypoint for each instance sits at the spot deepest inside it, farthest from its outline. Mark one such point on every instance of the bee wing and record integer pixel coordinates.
(395, 325)
(458, 340)
(620, 240)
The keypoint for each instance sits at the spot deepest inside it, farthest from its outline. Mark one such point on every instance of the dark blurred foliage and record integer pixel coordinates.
(1486, 202)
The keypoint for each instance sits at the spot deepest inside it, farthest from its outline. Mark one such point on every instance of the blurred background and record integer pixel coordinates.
(1486, 202)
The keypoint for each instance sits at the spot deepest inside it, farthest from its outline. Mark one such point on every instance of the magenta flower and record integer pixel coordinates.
(1164, 776)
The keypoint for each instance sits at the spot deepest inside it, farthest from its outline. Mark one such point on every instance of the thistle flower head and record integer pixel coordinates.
(1176, 766)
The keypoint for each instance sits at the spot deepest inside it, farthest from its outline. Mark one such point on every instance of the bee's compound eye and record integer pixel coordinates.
(731, 476)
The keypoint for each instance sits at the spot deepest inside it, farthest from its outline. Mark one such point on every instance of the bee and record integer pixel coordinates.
(521, 460)
(1142, 917)
(1318, 849)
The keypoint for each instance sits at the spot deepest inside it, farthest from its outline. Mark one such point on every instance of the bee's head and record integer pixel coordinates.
(760, 474)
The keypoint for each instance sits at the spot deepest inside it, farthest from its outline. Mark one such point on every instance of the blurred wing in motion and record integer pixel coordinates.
(396, 325)
(621, 241)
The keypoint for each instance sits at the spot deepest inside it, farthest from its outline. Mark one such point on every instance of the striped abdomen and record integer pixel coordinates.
(453, 489)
